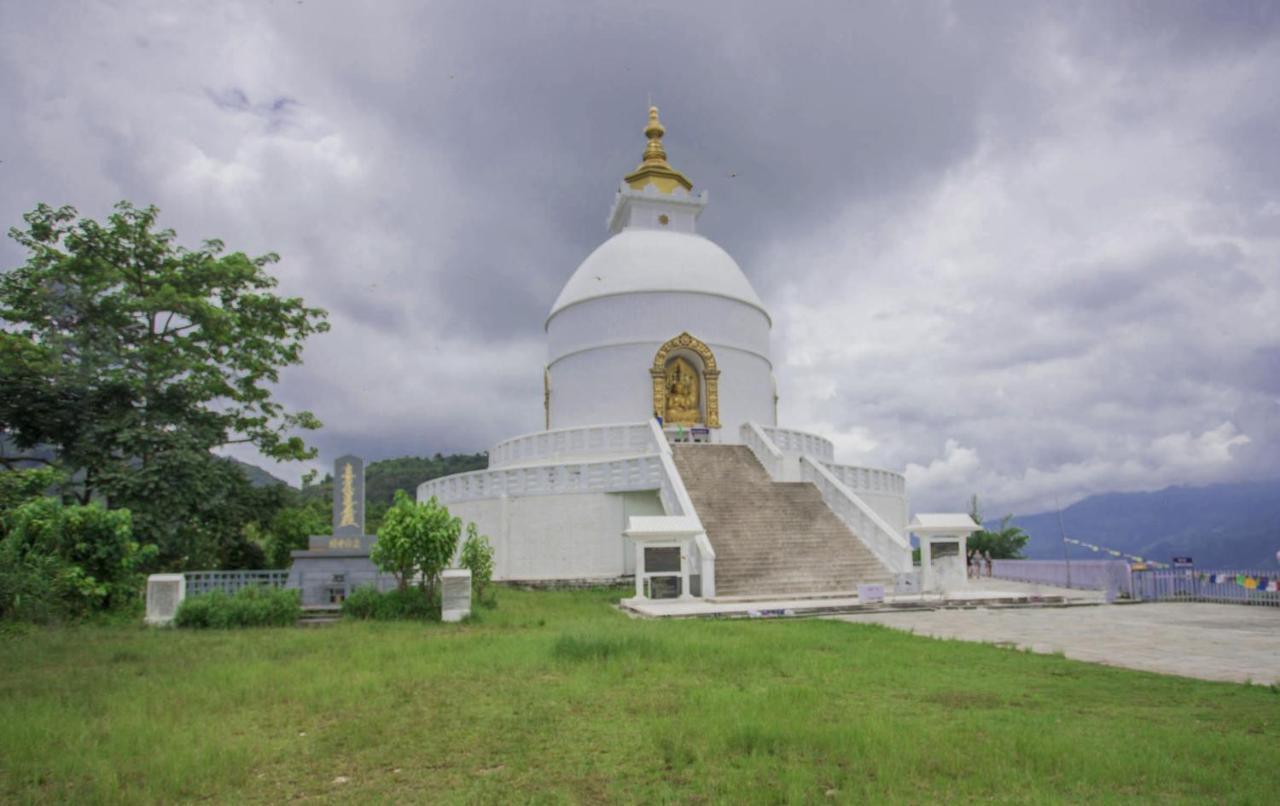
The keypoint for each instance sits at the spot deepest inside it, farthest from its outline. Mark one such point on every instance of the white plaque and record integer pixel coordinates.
(164, 593)
(870, 594)
(455, 594)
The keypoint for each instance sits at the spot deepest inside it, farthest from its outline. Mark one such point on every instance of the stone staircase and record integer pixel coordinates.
(770, 537)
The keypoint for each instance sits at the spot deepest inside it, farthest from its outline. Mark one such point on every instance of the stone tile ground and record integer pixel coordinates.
(1208, 641)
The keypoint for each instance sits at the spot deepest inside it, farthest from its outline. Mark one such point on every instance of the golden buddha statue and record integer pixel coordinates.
(681, 385)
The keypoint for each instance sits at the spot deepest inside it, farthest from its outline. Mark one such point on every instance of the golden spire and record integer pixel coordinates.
(654, 169)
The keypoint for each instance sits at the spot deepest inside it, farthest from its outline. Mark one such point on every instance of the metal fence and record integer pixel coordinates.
(199, 582)
(1103, 575)
(1231, 586)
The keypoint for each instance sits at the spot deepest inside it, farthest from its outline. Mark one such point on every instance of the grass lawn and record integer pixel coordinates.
(557, 697)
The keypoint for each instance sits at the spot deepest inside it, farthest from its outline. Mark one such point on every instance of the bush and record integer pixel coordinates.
(477, 557)
(362, 603)
(254, 606)
(409, 604)
(60, 561)
(416, 539)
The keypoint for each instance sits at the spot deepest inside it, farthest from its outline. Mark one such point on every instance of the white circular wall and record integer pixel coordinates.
(640, 289)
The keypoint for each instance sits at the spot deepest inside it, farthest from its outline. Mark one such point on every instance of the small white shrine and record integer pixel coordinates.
(658, 346)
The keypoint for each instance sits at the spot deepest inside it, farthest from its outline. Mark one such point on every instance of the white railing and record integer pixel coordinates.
(593, 440)
(613, 476)
(801, 442)
(676, 502)
(890, 547)
(754, 437)
(869, 479)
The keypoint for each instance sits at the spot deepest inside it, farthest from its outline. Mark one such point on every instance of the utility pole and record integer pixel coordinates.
(1063, 531)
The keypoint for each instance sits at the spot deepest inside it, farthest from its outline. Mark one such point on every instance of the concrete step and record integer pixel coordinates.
(770, 537)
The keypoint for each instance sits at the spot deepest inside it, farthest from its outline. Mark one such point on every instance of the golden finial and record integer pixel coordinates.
(654, 169)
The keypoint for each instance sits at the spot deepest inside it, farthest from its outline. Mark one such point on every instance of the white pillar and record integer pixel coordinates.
(639, 570)
(926, 565)
(684, 571)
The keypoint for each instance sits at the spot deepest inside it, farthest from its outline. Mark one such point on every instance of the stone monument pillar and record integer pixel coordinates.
(335, 564)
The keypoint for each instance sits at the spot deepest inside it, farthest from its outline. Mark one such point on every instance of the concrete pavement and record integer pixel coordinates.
(1234, 643)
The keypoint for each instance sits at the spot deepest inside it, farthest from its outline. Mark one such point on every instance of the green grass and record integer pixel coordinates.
(556, 697)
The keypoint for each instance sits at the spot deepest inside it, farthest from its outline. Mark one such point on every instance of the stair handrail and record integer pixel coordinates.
(890, 547)
(674, 495)
(766, 452)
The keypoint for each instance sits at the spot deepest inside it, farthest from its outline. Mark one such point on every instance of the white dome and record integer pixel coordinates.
(647, 260)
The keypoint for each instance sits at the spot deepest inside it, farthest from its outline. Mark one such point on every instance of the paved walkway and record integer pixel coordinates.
(978, 592)
(1209, 641)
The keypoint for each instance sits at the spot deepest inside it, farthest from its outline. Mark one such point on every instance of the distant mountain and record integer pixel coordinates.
(1219, 526)
(383, 478)
(256, 475)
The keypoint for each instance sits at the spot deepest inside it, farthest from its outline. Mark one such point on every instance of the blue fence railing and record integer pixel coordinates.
(199, 582)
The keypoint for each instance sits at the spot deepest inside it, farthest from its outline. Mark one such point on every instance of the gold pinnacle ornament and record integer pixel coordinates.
(654, 169)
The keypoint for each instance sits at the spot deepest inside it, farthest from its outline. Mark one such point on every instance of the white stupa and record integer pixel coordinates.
(662, 450)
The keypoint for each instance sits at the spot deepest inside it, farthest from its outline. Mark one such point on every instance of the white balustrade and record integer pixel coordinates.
(755, 438)
(610, 476)
(595, 440)
(800, 442)
(676, 502)
(869, 479)
(890, 547)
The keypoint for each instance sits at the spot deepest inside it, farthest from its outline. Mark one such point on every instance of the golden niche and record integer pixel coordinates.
(681, 383)
(683, 394)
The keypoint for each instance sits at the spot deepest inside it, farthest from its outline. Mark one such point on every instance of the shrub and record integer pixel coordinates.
(477, 556)
(407, 604)
(59, 561)
(248, 607)
(362, 603)
(416, 539)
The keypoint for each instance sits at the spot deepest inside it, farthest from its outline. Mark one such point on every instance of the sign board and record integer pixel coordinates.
(870, 594)
(1182, 562)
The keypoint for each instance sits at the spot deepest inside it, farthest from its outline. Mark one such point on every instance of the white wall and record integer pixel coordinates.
(559, 536)
(600, 353)
(892, 508)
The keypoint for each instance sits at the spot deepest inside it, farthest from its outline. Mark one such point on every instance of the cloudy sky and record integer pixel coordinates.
(1027, 251)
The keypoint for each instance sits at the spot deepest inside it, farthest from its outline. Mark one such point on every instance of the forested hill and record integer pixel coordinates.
(256, 475)
(1221, 525)
(383, 478)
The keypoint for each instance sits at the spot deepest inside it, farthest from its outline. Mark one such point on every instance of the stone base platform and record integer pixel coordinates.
(997, 594)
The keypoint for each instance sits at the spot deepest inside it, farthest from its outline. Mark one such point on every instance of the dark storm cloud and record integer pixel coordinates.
(1023, 249)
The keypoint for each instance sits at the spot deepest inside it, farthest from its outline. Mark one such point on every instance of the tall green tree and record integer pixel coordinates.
(133, 357)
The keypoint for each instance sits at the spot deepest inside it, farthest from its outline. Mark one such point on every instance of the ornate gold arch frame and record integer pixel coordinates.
(710, 372)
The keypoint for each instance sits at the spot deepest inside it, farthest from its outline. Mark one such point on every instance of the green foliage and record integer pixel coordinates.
(395, 550)
(382, 479)
(477, 556)
(1005, 543)
(289, 529)
(416, 539)
(19, 486)
(367, 603)
(59, 561)
(253, 606)
(132, 358)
